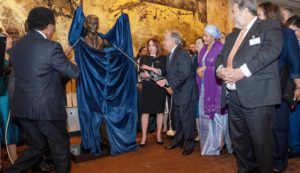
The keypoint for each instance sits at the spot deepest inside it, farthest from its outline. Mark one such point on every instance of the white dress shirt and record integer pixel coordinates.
(41, 33)
(244, 67)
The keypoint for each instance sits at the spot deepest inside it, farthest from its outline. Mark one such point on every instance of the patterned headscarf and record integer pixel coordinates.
(213, 30)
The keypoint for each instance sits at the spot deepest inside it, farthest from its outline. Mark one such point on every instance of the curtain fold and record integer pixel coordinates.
(106, 87)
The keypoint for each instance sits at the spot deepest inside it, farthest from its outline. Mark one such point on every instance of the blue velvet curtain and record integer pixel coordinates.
(106, 87)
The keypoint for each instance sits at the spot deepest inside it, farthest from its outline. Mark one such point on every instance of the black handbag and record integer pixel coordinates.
(287, 87)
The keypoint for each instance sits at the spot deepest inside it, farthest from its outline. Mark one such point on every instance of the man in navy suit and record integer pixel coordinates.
(249, 68)
(288, 59)
(294, 118)
(181, 83)
(38, 102)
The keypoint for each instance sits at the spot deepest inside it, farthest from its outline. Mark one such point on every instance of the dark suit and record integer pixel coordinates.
(251, 105)
(289, 56)
(38, 101)
(181, 78)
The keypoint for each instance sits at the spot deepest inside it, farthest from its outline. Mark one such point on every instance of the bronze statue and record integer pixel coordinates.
(92, 38)
(91, 23)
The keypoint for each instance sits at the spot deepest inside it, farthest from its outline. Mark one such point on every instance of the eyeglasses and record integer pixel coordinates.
(13, 34)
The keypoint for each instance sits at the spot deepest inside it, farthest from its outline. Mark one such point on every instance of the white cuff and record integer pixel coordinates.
(219, 68)
(246, 70)
(158, 72)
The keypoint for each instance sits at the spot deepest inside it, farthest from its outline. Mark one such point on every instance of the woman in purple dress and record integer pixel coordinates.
(212, 124)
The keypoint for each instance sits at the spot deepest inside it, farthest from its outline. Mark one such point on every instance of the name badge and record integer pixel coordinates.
(254, 41)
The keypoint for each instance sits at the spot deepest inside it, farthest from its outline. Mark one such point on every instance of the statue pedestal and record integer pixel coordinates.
(78, 154)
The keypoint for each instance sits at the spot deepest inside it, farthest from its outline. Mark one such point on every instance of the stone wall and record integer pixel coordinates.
(148, 18)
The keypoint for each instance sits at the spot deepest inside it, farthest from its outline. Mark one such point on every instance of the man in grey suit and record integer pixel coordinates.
(38, 101)
(249, 69)
(181, 83)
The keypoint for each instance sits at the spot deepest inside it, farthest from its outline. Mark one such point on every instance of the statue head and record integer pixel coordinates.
(91, 23)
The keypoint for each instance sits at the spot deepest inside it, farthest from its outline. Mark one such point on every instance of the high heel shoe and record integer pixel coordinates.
(160, 142)
(142, 145)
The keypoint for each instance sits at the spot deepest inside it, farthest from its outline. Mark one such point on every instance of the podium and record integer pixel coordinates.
(73, 124)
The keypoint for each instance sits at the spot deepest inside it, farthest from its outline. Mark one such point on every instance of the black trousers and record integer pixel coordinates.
(251, 133)
(40, 136)
(280, 136)
(184, 117)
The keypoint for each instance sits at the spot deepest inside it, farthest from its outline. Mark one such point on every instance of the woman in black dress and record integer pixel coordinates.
(153, 97)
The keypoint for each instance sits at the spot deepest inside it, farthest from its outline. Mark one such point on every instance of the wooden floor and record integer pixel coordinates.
(153, 158)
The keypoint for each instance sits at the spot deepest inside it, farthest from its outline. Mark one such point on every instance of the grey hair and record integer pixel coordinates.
(250, 4)
(288, 10)
(176, 36)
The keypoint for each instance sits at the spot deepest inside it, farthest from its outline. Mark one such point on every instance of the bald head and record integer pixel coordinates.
(91, 23)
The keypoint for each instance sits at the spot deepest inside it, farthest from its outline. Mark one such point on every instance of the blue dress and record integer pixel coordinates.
(13, 132)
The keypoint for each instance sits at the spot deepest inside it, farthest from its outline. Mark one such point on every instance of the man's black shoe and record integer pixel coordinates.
(44, 166)
(276, 171)
(187, 152)
(293, 155)
(170, 147)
